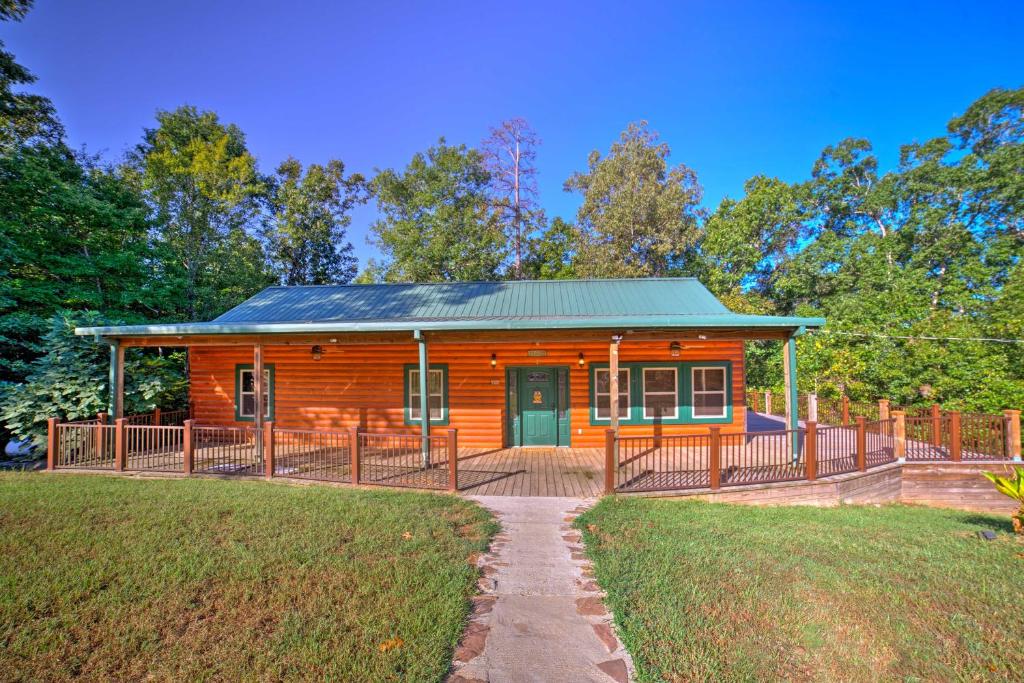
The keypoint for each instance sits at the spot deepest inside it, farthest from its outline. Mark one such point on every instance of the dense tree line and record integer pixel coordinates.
(917, 269)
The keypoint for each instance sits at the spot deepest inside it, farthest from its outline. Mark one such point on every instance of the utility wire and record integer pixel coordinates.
(922, 338)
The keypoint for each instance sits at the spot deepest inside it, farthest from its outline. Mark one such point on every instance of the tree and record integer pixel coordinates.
(24, 117)
(310, 214)
(70, 380)
(552, 253)
(510, 155)
(638, 215)
(434, 223)
(73, 236)
(205, 192)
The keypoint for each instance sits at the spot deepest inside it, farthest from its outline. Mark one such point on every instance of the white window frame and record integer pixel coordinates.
(242, 393)
(724, 391)
(629, 394)
(674, 393)
(414, 394)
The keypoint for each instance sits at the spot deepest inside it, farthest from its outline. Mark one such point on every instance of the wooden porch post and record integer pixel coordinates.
(187, 447)
(268, 449)
(936, 425)
(613, 387)
(116, 380)
(811, 451)
(767, 402)
(899, 441)
(609, 460)
(120, 445)
(955, 437)
(792, 414)
(353, 461)
(257, 385)
(1012, 418)
(715, 458)
(424, 398)
(51, 443)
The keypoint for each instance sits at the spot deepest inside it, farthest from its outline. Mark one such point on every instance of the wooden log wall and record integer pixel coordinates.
(355, 384)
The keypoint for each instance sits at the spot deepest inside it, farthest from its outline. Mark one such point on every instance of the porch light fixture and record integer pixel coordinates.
(674, 348)
(702, 337)
(317, 352)
(580, 361)
(494, 360)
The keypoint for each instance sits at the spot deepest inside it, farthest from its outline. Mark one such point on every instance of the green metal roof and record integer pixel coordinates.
(533, 304)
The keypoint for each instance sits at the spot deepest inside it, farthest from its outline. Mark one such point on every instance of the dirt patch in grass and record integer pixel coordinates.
(708, 591)
(105, 578)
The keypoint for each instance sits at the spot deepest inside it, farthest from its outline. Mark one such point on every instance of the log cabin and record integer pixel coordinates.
(507, 364)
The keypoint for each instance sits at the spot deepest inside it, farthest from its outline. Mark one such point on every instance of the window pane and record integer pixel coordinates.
(660, 380)
(414, 410)
(435, 381)
(601, 381)
(248, 407)
(698, 380)
(709, 405)
(604, 406)
(248, 381)
(435, 408)
(266, 404)
(714, 379)
(659, 405)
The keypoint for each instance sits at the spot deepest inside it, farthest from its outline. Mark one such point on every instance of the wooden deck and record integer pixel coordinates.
(575, 472)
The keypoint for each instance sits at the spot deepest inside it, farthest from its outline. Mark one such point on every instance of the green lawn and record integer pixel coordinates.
(718, 592)
(109, 578)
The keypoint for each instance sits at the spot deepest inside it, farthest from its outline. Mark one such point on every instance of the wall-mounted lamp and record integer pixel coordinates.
(317, 352)
(702, 337)
(494, 360)
(674, 348)
(579, 360)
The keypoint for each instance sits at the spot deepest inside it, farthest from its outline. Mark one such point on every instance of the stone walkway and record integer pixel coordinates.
(540, 615)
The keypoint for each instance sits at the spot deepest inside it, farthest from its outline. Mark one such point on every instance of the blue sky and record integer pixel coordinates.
(735, 88)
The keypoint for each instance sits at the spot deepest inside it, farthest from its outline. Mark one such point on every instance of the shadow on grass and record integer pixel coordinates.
(993, 522)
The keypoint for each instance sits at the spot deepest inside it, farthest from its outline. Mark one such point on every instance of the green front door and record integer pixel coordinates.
(538, 401)
(537, 405)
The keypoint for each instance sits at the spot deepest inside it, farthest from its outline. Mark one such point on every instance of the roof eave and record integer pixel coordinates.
(661, 322)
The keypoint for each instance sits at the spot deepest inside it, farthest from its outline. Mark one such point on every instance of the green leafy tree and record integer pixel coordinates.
(24, 117)
(70, 380)
(434, 223)
(73, 236)
(638, 215)
(205, 192)
(551, 254)
(310, 215)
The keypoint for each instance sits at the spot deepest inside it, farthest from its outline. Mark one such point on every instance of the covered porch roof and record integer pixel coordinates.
(637, 306)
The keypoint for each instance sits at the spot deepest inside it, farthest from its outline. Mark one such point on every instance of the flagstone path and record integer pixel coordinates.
(540, 614)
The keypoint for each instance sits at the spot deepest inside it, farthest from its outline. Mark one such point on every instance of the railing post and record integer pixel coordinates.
(120, 446)
(767, 402)
(353, 441)
(609, 461)
(51, 443)
(846, 410)
(899, 442)
(101, 433)
(936, 425)
(812, 407)
(268, 449)
(715, 458)
(187, 446)
(453, 459)
(156, 417)
(811, 450)
(883, 409)
(862, 444)
(955, 440)
(1012, 419)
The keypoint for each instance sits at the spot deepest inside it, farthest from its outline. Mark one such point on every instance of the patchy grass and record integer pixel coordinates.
(718, 592)
(106, 578)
